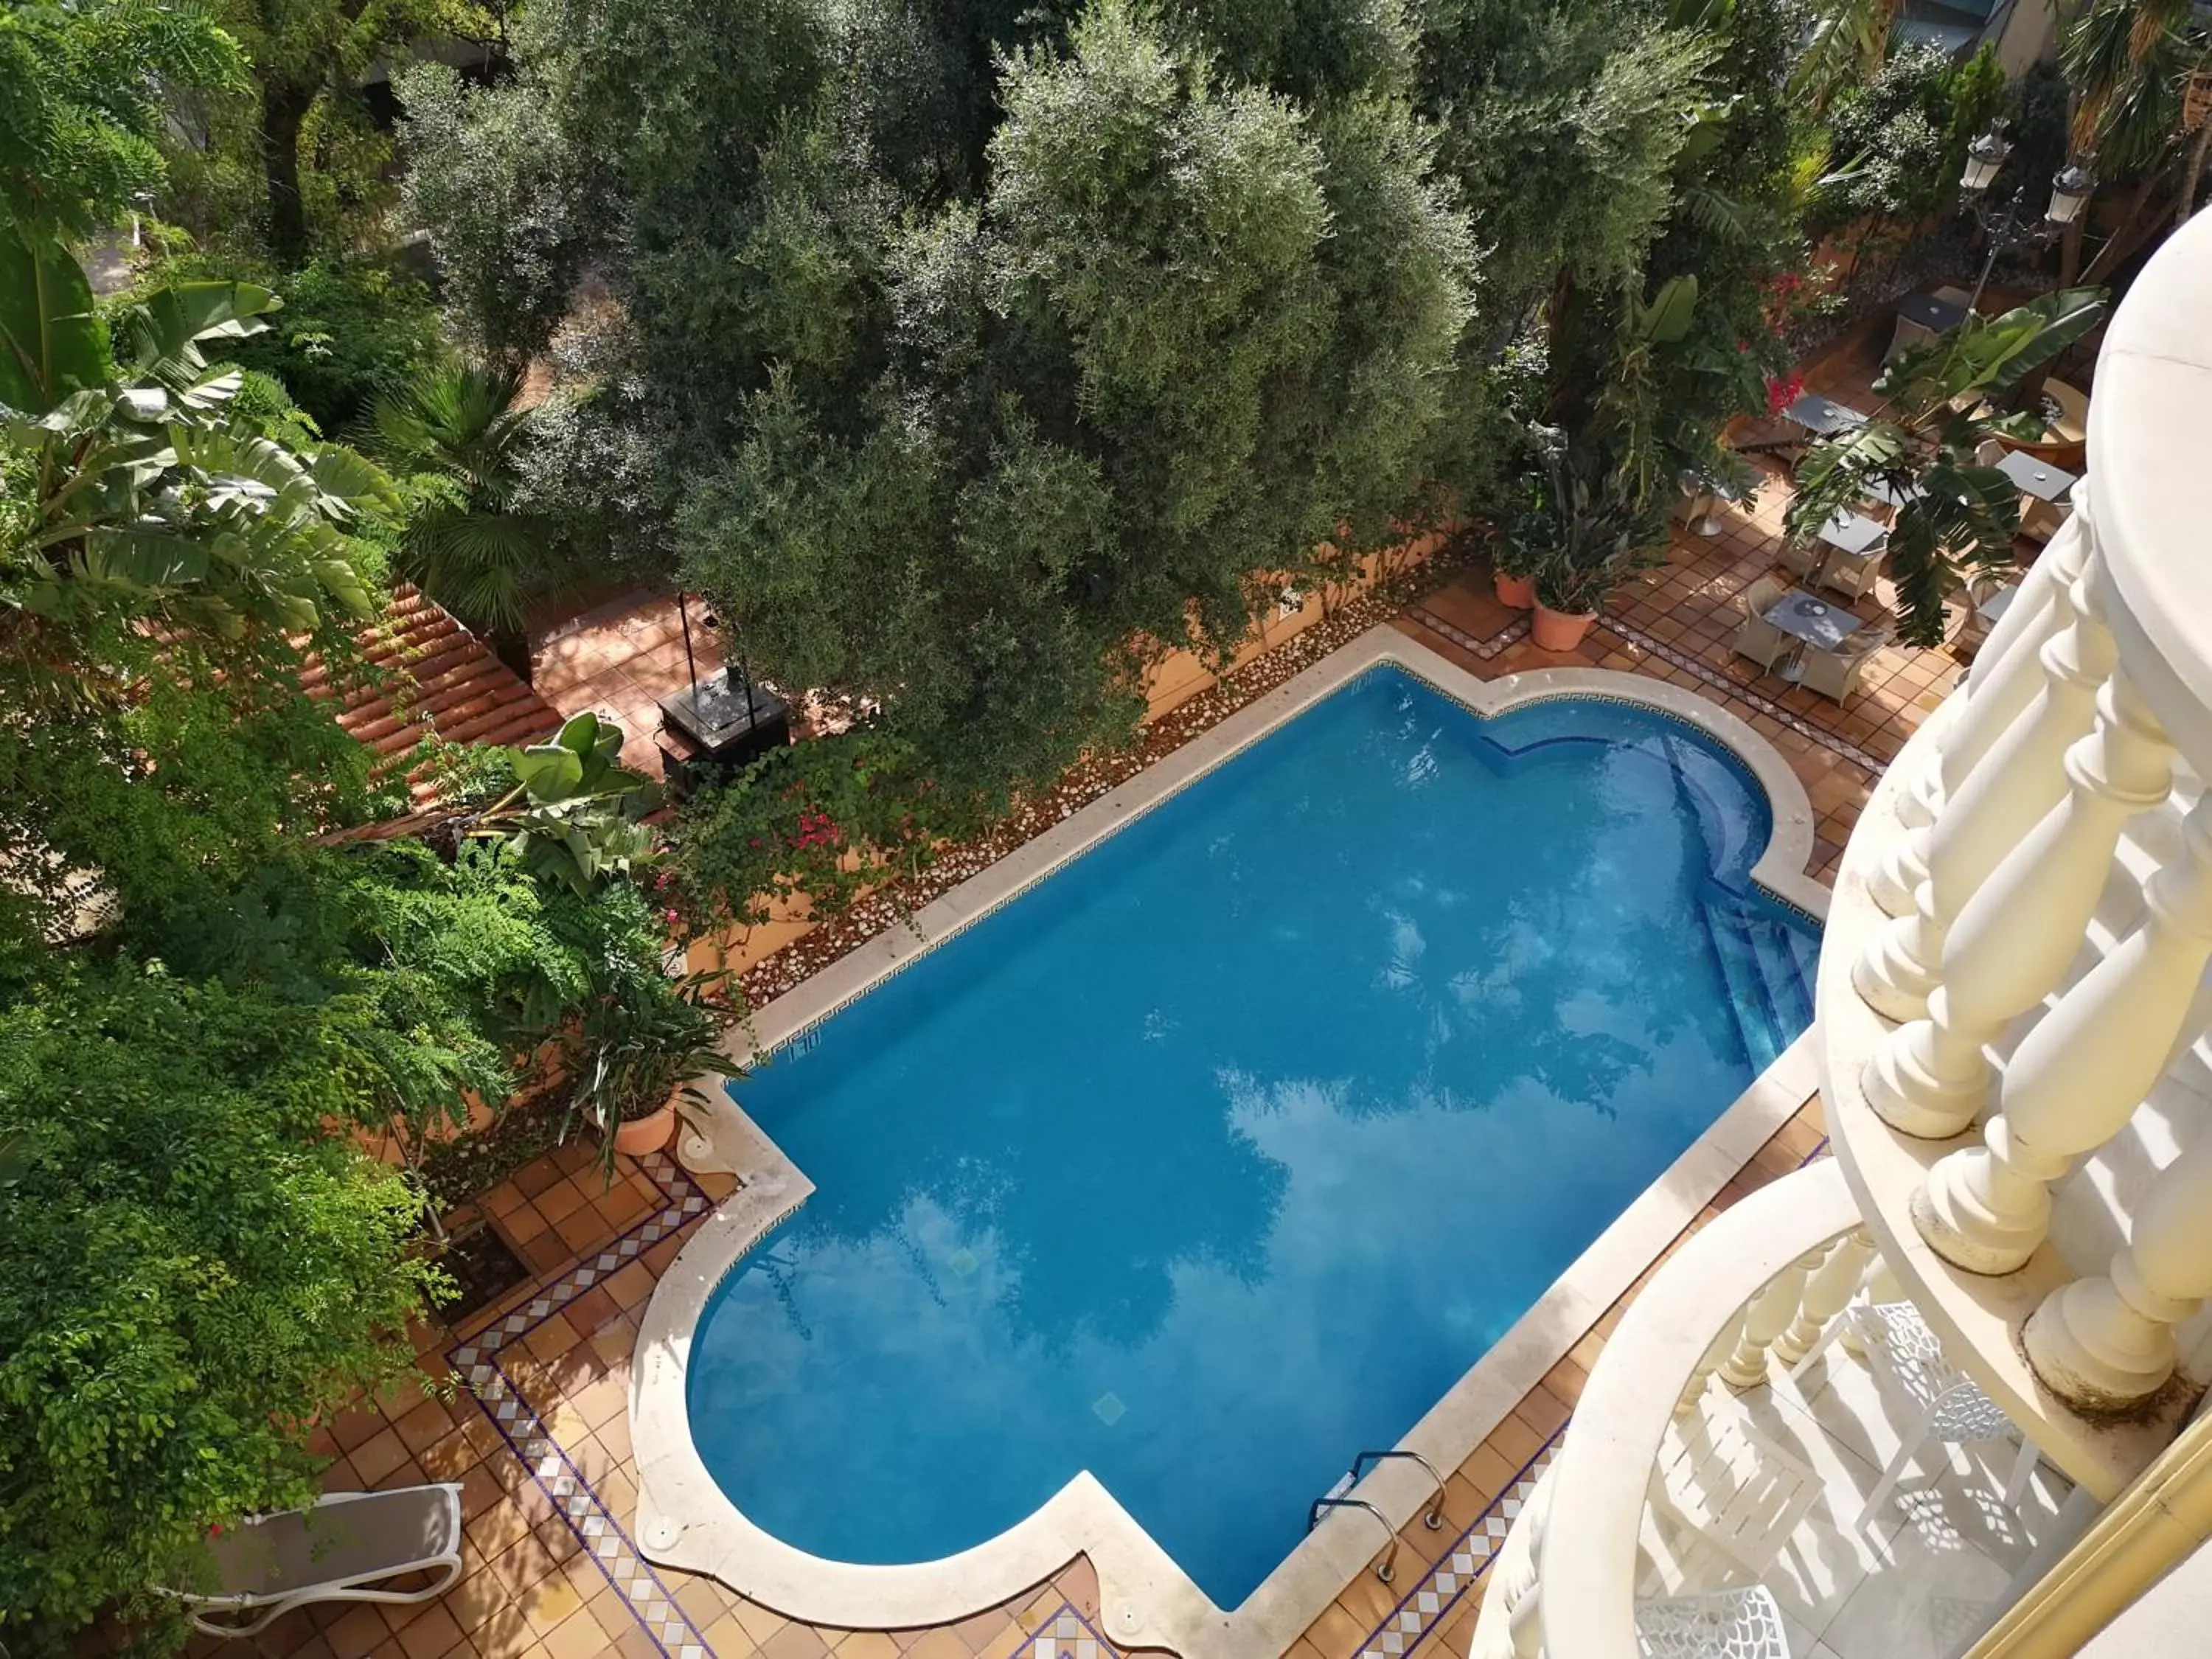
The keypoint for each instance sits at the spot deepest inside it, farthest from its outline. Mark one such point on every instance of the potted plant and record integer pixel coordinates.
(1513, 572)
(636, 1059)
(1590, 533)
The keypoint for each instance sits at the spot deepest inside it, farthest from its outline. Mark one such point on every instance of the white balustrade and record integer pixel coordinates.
(2008, 676)
(1997, 803)
(1772, 1313)
(1834, 1279)
(2104, 1343)
(2080, 1073)
(2022, 927)
(1763, 1277)
(2005, 677)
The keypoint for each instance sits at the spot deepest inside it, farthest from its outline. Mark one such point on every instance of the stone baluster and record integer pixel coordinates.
(1520, 1578)
(2016, 936)
(2105, 1343)
(1834, 1282)
(1713, 1357)
(2080, 1073)
(1766, 1316)
(2069, 544)
(2000, 802)
(1882, 1285)
(2006, 682)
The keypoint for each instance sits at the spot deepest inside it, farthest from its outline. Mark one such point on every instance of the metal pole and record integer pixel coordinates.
(689, 667)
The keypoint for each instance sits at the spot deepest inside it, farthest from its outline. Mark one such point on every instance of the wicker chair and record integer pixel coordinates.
(1804, 558)
(1852, 573)
(1757, 638)
(1835, 674)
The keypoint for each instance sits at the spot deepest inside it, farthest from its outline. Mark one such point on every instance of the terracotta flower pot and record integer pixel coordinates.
(1559, 630)
(637, 1136)
(1519, 592)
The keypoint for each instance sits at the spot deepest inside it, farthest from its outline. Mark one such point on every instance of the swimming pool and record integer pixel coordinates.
(1215, 1158)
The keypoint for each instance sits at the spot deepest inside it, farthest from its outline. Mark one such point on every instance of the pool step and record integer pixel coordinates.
(1768, 967)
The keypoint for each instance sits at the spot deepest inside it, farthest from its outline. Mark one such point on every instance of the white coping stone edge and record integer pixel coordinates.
(686, 1521)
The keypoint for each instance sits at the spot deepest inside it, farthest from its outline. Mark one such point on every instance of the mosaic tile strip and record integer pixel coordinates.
(1068, 1635)
(1515, 630)
(1065, 1634)
(477, 1363)
(1430, 1602)
(1675, 657)
(1448, 1583)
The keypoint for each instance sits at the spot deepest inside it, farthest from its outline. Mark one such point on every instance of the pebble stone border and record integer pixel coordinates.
(1065, 1634)
(1674, 656)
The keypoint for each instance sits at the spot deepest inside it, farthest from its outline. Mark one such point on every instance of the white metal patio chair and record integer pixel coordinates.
(1733, 1624)
(1722, 1484)
(1945, 1405)
(346, 1547)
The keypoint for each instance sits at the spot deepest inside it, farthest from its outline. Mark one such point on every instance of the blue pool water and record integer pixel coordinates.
(1218, 1156)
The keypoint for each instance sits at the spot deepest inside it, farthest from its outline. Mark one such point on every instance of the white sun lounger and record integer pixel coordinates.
(344, 1548)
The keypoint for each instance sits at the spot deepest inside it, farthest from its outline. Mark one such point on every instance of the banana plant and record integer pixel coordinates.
(575, 814)
(1944, 399)
(148, 503)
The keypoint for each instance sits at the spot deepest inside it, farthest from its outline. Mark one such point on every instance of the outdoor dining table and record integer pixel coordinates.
(1822, 416)
(1931, 312)
(1811, 620)
(1853, 532)
(2037, 477)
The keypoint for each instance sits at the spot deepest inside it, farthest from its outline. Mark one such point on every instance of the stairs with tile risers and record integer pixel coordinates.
(1768, 966)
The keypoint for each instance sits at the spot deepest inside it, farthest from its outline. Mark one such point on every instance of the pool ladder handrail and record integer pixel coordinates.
(1432, 1519)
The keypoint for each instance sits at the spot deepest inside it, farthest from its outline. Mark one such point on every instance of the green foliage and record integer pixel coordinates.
(628, 1057)
(1562, 123)
(574, 815)
(81, 104)
(1898, 143)
(456, 434)
(1849, 41)
(508, 197)
(191, 1271)
(1942, 397)
(350, 329)
(825, 819)
(1580, 530)
(2126, 63)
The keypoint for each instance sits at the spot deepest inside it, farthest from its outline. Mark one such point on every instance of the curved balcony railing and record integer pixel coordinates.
(1752, 1291)
(2012, 998)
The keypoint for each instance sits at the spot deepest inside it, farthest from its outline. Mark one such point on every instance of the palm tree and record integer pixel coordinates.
(2127, 63)
(1849, 40)
(456, 432)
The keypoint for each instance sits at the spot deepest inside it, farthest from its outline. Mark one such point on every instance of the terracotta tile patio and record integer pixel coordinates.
(535, 1428)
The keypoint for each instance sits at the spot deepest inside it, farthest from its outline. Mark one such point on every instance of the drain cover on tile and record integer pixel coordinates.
(1109, 1408)
(484, 1267)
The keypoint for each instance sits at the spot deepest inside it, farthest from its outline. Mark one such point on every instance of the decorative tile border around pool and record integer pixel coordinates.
(521, 1424)
(1674, 656)
(686, 1521)
(1064, 1634)
(1448, 1583)
(1444, 1586)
